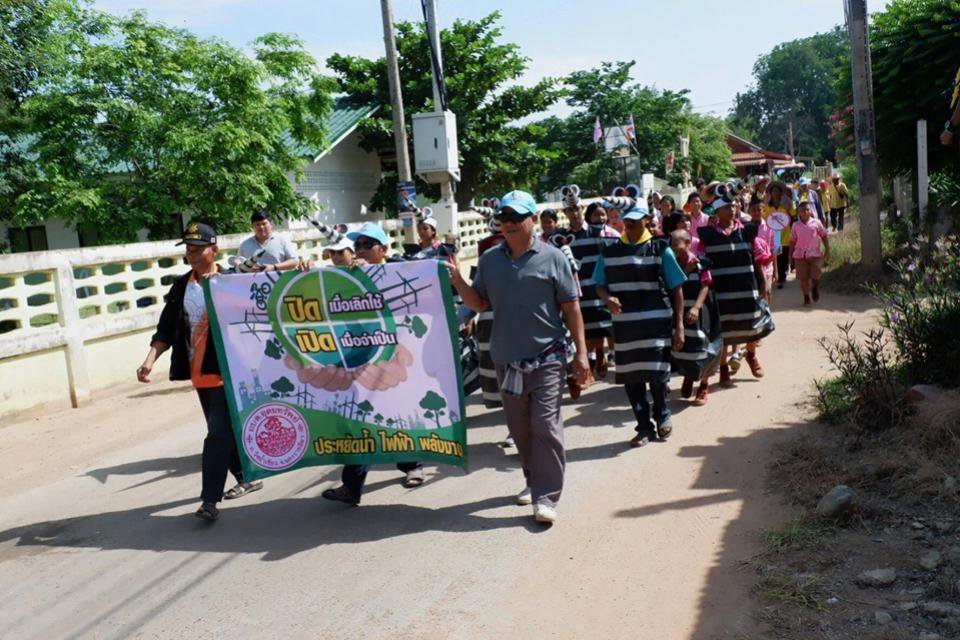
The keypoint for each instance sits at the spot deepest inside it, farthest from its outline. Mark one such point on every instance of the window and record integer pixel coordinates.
(28, 239)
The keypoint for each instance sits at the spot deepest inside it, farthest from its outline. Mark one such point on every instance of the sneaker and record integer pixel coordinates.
(734, 362)
(543, 513)
(702, 393)
(525, 497)
(509, 443)
(687, 389)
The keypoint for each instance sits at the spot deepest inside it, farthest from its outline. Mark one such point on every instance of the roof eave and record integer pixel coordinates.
(346, 133)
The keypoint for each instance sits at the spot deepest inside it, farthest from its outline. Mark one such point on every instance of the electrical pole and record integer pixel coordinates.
(396, 100)
(865, 134)
(446, 213)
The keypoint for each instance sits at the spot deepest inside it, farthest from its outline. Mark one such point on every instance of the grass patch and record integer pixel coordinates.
(800, 533)
(843, 273)
(800, 590)
(834, 403)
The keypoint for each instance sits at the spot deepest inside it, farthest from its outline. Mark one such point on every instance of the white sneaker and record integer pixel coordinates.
(525, 497)
(545, 514)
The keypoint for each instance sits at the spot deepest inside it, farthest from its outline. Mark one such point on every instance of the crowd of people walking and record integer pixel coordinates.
(640, 284)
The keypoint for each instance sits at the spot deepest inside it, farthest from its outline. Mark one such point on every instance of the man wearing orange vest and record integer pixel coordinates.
(184, 327)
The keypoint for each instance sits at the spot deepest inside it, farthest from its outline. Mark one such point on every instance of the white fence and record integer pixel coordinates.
(63, 313)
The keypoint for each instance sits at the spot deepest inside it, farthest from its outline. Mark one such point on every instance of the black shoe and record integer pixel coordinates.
(341, 494)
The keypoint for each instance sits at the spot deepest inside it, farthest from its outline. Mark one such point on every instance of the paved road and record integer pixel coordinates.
(96, 540)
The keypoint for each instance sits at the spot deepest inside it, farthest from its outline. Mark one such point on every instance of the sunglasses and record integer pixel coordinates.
(366, 244)
(512, 216)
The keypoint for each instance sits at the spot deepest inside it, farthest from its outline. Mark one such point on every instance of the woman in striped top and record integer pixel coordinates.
(586, 246)
(744, 314)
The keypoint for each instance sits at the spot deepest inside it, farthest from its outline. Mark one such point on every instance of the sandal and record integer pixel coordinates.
(702, 394)
(725, 380)
(208, 511)
(414, 478)
(242, 489)
(754, 363)
(640, 440)
(664, 430)
(341, 494)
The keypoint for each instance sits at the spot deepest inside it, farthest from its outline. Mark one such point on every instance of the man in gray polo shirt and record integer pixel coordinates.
(533, 289)
(279, 254)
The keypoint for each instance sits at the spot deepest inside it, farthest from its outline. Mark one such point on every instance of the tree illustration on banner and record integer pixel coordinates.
(363, 409)
(378, 419)
(282, 387)
(415, 324)
(434, 406)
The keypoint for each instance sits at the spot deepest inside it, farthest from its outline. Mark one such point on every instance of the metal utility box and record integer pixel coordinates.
(435, 146)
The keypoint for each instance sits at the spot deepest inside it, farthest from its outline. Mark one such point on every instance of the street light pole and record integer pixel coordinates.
(396, 101)
(865, 135)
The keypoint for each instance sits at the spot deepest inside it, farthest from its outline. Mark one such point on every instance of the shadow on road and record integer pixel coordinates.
(167, 468)
(262, 528)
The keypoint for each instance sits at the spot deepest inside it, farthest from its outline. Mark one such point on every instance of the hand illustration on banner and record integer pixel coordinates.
(375, 376)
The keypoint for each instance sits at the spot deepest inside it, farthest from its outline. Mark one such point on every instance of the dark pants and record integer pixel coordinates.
(783, 264)
(836, 218)
(354, 476)
(219, 447)
(637, 394)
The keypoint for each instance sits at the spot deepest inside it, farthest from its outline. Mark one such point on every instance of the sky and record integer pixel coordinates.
(706, 46)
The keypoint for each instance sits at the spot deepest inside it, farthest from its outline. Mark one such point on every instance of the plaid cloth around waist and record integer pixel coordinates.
(513, 374)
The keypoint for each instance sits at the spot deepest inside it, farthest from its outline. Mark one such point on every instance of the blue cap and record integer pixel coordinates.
(371, 230)
(804, 182)
(636, 212)
(519, 201)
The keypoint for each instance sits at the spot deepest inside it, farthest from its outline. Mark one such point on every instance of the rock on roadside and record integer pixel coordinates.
(877, 577)
(836, 502)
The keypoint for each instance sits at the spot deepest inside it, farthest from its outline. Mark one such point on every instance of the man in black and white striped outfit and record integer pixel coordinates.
(640, 281)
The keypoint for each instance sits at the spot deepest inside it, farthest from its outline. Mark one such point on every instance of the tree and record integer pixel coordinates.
(660, 118)
(140, 120)
(378, 419)
(496, 153)
(793, 84)
(434, 406)
(363, 409)
(915, 53)
(282, 387)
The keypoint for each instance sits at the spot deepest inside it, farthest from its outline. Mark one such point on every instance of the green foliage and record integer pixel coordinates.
(660, 118)
(496, 153)
(793, 83)
(915, 53)
(134, 120)
(273, 349)
(921, 309)
(802, 532)
(869, 383)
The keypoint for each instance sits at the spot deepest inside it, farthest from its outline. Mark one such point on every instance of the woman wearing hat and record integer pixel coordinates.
(779, 197)
(744, 314)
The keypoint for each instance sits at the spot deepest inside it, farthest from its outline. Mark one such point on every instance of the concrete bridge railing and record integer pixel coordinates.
(77, 320)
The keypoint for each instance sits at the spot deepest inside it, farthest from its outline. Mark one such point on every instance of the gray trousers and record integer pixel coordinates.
(533, 418)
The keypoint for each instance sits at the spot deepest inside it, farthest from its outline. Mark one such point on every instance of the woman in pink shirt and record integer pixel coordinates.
(805, 238)
(697, 217)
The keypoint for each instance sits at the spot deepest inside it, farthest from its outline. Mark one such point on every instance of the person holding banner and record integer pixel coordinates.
(184, 327)
(371, 244)
(531, 285)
